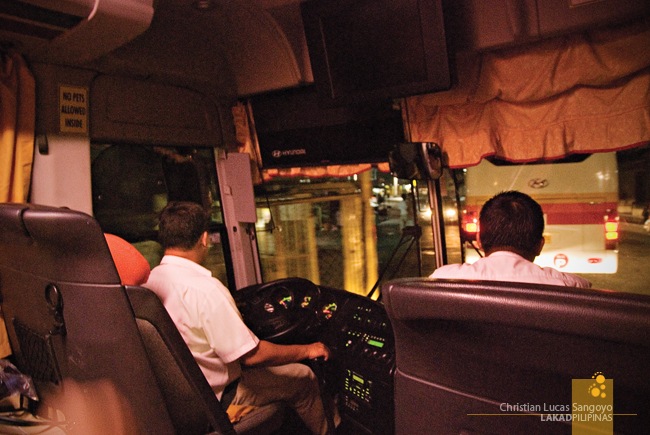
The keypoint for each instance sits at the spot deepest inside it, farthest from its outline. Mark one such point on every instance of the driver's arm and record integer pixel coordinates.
(270, 354)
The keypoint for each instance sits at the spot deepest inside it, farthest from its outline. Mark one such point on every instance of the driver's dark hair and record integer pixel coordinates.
(181, 224)
(513, 221)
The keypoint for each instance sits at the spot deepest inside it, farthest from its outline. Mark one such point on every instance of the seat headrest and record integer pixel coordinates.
(61, 244)
(131, 265)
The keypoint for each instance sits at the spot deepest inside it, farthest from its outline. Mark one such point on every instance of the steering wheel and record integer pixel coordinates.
(280, 311)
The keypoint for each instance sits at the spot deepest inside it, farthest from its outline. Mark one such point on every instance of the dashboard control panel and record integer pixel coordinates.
(367, 354)
(354, 327)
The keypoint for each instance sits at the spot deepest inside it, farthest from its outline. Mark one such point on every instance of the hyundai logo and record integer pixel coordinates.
(538, 183)
(560, 261)
(292, 152)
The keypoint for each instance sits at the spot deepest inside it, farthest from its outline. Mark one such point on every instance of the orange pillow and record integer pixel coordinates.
(131, 265)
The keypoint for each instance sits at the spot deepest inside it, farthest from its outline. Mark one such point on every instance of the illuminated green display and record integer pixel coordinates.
(375, 343)
(286, 301)
(358, 379)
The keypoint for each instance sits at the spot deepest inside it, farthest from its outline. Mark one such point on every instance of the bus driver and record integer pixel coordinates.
(206, 315)
(511, 227)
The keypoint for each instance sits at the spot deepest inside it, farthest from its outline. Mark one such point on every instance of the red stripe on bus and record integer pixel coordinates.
(578, 213)
(575, 213)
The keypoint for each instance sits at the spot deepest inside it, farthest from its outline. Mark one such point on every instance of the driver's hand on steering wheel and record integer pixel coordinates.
(318, 350)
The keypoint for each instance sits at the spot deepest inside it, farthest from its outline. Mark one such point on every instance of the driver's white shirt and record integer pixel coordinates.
(206, 316)
(508, 266)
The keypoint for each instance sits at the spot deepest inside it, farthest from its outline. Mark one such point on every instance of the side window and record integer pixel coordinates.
(133, 183)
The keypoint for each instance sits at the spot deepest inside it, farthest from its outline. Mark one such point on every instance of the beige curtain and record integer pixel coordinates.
(581, 93)
(17, 114)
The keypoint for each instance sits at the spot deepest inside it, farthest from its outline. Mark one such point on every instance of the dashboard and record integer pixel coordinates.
(355, 328)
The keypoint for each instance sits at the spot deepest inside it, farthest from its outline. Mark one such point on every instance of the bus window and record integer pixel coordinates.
(351, 232)
(131, 184)
(314, 228)
(331, 232)
(579, 197)
(593, 208)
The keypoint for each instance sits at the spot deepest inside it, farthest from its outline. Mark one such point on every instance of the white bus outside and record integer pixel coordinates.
(579, 197)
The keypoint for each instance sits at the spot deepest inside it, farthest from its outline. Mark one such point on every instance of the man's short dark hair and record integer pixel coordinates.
(181, 224)
(511, 220)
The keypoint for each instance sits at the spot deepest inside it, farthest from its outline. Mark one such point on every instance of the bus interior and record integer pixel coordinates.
(343, 149)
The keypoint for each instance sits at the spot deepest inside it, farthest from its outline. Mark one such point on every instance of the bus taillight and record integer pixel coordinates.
(469, 225)
(611, 230)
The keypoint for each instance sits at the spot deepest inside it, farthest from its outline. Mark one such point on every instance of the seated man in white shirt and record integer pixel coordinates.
(238, 366)
(511, 227)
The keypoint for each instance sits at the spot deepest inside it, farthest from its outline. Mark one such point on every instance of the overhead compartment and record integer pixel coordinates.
(488, 24)
(562, 16)
(72, 31)
(140, 112)
(226, 48)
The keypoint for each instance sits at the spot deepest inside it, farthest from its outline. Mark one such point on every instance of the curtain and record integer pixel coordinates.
(17, 118)
(580, 93)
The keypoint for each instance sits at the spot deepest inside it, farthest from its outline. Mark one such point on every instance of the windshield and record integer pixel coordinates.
(355, 232)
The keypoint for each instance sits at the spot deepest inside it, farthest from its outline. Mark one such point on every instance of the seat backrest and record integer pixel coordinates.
(192, 404)
(467, 349)
(68, 318)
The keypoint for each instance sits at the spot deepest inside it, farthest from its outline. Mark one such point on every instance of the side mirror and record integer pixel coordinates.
(416, 161)
(432, 156)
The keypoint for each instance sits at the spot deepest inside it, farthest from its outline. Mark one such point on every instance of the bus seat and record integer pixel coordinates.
(131, 265)
(190, 400)
(69, 320)
(191, 403)
(465, 350)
